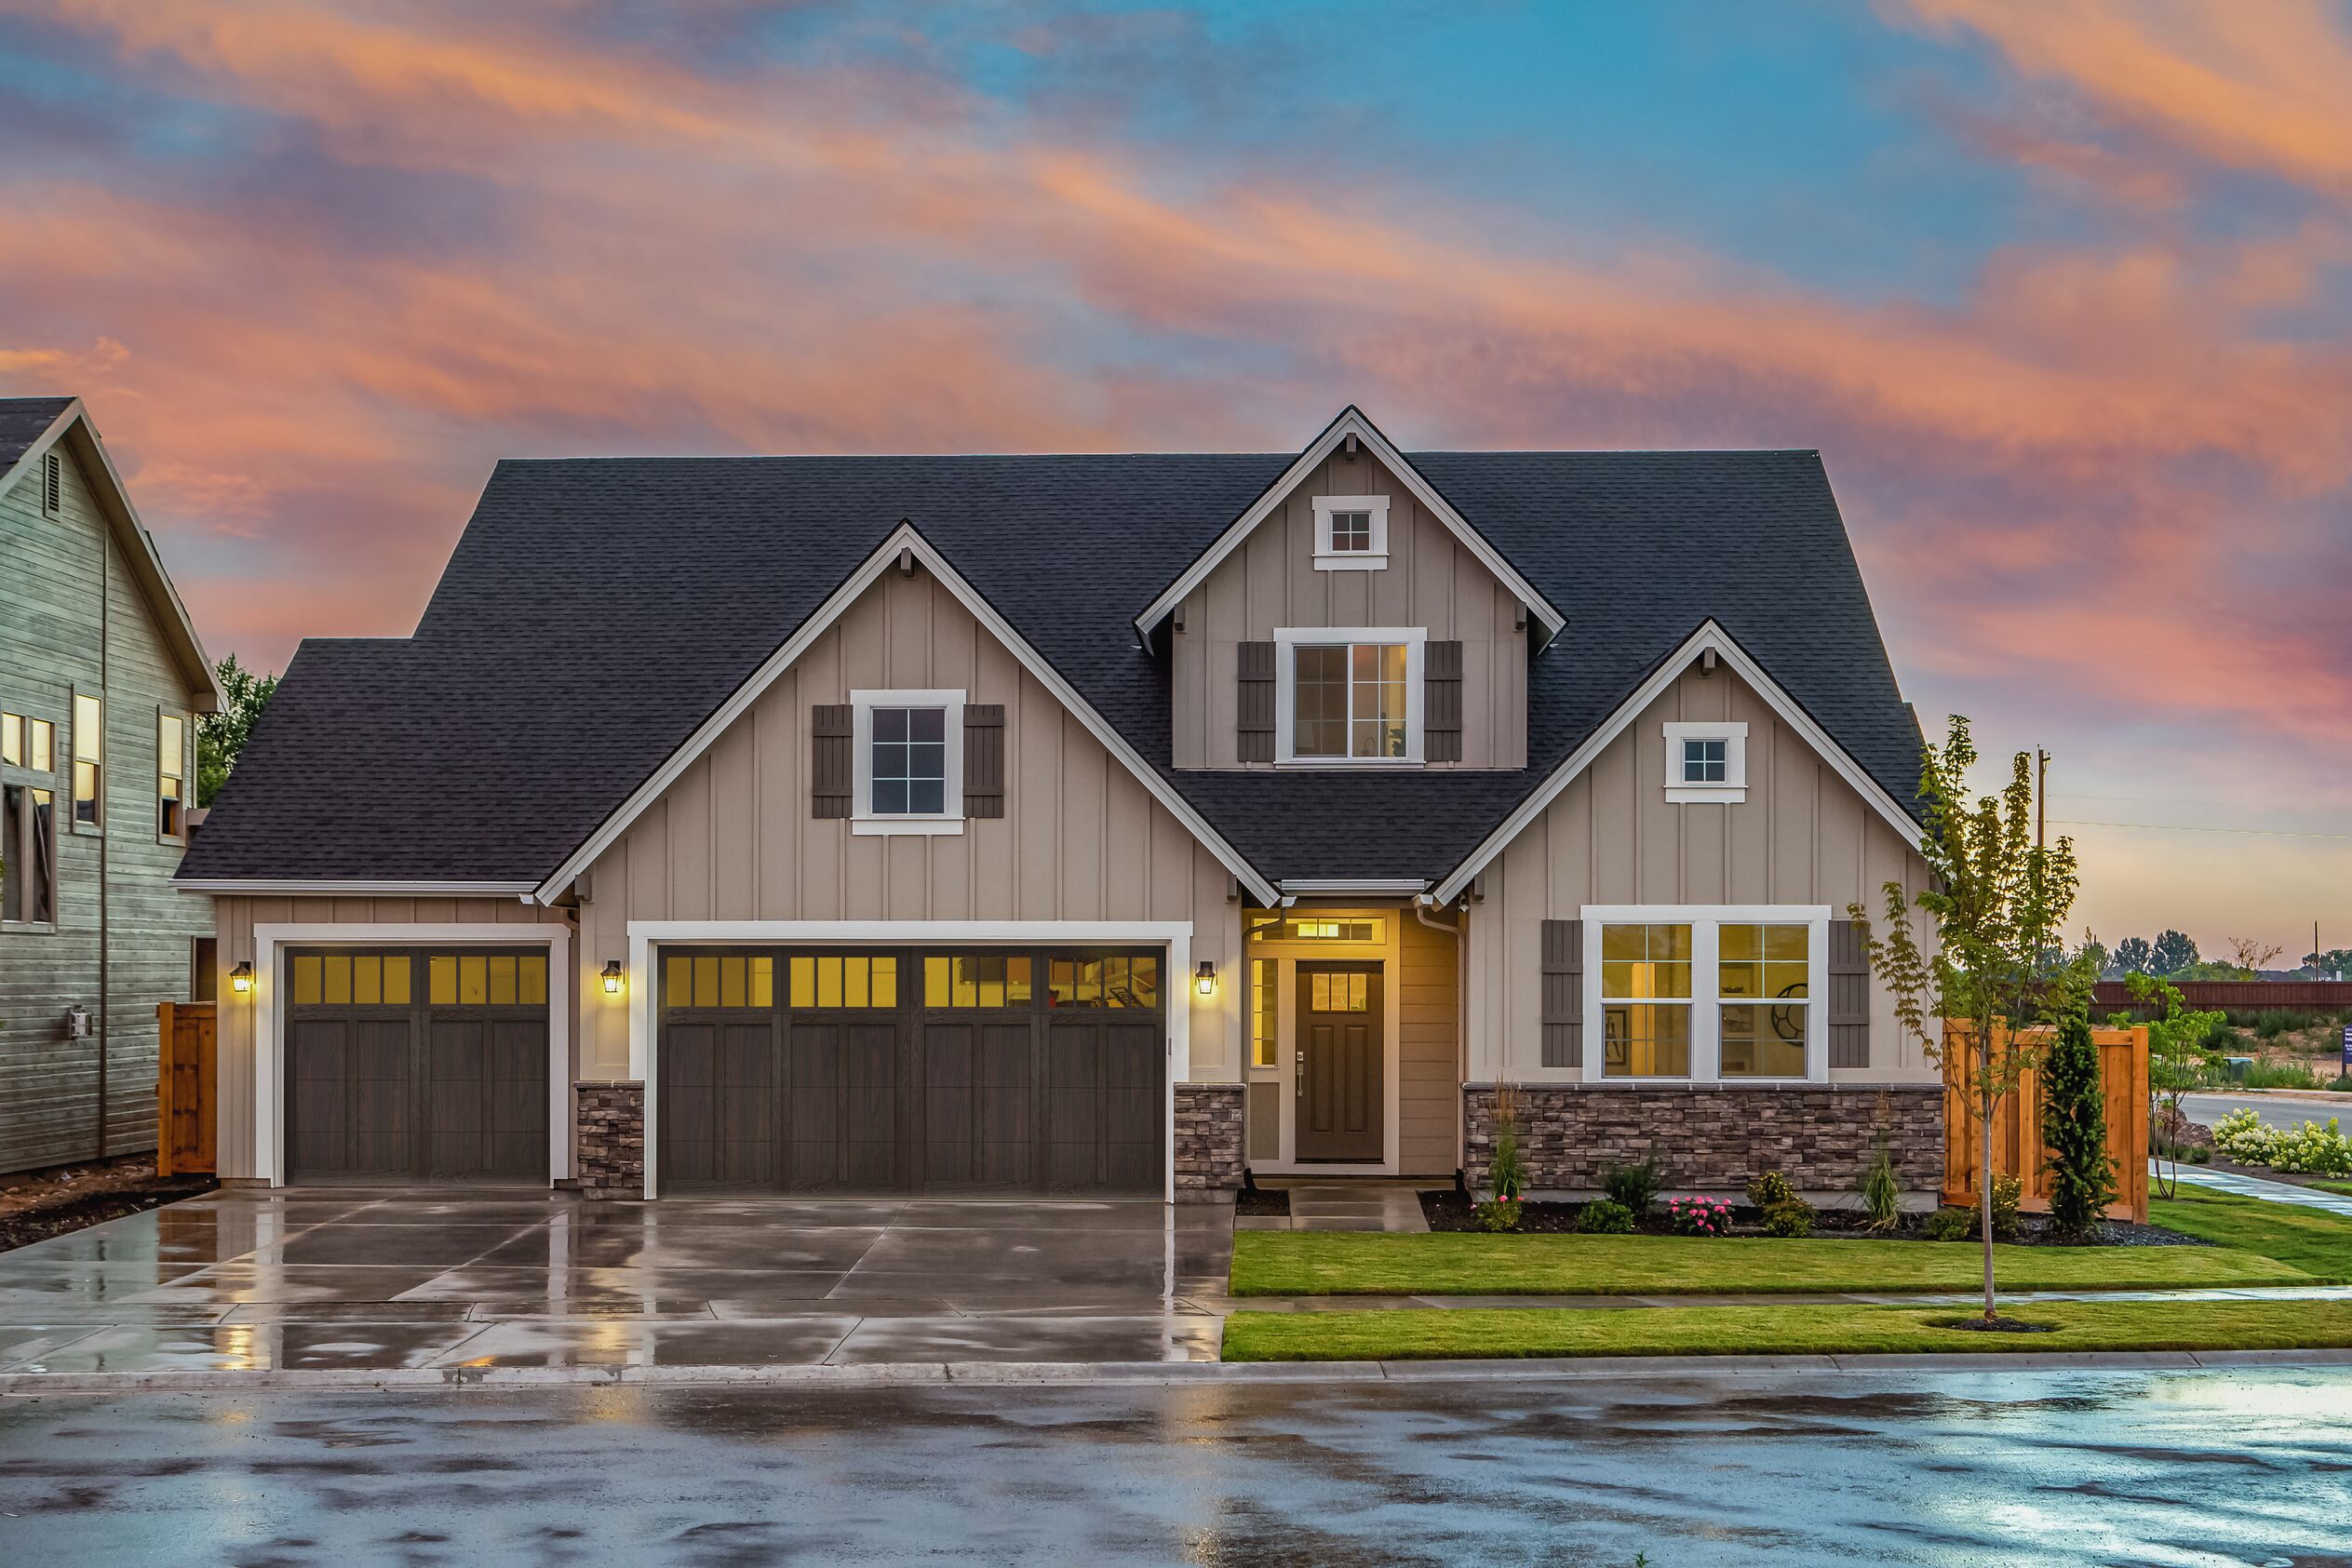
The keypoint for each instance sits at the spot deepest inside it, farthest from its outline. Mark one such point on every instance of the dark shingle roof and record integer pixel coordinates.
(22, 422)
(596, 611)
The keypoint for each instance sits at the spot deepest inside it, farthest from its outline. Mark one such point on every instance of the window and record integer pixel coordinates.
(1349, 696)
(1645, 1001)
(1265, 987)
(1706, 763)
(909, 761)
(171, 772)
(28, 855)
(1352, 533)
(90, 747)
(1707, 994)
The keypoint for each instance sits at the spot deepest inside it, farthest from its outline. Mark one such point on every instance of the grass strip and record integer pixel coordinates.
(1794, 1330)
(1344, 1262)
(2314, 1241)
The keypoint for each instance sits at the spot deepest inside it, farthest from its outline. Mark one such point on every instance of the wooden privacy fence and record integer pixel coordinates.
(2017, 1128)
(183, 1089)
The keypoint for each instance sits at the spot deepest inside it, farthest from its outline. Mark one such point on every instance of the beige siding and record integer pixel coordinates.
(1803, 836)
(1430, 581)
(1428, 1069)
(1081, 839)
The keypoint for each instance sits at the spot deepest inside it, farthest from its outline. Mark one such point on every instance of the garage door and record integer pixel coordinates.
(419, 1065)
(910, 1071)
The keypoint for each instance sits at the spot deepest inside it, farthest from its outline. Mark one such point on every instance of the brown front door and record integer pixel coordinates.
(1339, 1095)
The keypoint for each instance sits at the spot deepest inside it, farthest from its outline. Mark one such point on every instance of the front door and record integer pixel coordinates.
(1339, 1096)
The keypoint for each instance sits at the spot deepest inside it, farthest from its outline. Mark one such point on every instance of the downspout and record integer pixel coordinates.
(1422, 904)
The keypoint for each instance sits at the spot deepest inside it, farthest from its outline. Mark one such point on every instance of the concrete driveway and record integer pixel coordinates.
(376, 1279)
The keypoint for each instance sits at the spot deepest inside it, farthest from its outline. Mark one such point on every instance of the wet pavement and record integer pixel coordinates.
(383, 1278)
(1976, 1468)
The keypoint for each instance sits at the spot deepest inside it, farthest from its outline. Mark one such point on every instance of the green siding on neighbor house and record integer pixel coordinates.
(60, 634)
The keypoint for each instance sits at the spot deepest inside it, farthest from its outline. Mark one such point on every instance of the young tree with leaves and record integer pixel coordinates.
(219, 736)
(2082, 1175)
(1998, 902)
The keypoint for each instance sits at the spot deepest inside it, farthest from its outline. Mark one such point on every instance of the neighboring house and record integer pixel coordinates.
(1085, 824)
(101, 679)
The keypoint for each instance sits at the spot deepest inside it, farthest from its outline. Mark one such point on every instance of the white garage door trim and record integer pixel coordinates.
(269, 1021)
(645, 936)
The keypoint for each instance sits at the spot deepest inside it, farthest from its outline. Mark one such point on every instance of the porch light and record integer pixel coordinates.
(612, 977)
(241, 977)
(1204, 978)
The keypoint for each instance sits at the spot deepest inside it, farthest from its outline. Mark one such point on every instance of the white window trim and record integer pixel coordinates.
(1706, 1033)
(1733, 790)
(865, 822)
(1373, 560)
(1289, 640)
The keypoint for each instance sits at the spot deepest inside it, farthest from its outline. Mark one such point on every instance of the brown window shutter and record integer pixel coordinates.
(1255, 738)
(832, 773)
(1848, 996)
(984, 759)
(1441, 702)
(1564, 993)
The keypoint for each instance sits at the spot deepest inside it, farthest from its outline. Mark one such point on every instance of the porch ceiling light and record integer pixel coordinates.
(1204, 978)
(612, 977)
(241, 977)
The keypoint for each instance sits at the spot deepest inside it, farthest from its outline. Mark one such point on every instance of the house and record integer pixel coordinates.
(1085, 824)
(101, 678)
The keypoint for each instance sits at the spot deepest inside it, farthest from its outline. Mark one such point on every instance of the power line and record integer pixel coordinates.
(2189, 828)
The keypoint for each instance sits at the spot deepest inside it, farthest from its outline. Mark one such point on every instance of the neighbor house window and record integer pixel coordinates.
(1264, 987)
(1706, 763)
(1352, 696)
(1352, 533)
(28, 742)
(909, 761)
(1709, 993)
(28, 855)
(89, 749)
(172, 773)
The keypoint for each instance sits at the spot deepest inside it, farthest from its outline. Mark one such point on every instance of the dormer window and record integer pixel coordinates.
(1706, 763)
(1352, 533)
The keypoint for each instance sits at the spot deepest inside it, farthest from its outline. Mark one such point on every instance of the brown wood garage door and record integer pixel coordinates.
(905, 1071)
(419, 1065)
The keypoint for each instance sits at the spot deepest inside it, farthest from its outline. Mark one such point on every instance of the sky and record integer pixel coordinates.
(2062, 292)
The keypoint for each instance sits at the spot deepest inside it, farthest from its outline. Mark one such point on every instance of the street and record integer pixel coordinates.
(2000, 1466)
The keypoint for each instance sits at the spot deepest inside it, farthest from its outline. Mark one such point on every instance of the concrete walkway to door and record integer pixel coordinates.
(374, 1278)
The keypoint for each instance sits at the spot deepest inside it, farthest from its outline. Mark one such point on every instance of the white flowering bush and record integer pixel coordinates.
(2319, 1150)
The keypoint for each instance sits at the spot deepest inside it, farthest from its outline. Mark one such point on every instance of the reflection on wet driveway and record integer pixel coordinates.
(401, 1277)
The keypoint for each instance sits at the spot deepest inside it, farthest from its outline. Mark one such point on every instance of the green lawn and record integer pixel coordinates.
(1788, 1330)
(2311, 1239)
(1324, 1263)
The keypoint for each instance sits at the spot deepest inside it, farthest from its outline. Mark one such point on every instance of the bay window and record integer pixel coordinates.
(1706, 993)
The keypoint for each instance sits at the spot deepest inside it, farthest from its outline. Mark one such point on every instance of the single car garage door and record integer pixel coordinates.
(416, 1065)
(911, 1071)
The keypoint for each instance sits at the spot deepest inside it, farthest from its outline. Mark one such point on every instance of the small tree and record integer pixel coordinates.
(2082, 1176)
(2176, 1064)
(219, 736)
(1998, 902)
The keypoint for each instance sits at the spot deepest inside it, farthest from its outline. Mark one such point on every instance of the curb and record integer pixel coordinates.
(1143, 1374)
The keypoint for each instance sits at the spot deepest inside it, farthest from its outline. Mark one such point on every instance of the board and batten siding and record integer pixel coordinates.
(59, 636)
(236, 914)
(1803, 836)
(1271, 581)
(734, 837)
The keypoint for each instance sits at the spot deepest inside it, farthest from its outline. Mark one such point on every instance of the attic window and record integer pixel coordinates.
(1352, 533)
(52, 483)
(1706, 761)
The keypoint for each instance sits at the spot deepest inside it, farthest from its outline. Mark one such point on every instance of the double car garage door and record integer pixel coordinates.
(902, 1071)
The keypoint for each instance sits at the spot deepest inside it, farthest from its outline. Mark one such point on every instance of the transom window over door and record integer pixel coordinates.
(908, 756)
(1350, 700)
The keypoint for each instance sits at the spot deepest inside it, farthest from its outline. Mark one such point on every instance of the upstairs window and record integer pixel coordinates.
(171, 774)
(1352, 701)
(1706, 761)
(908, 750)
(1352, 533)
(90, 757)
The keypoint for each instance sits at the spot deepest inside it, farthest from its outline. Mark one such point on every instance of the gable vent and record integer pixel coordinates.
(52, 483)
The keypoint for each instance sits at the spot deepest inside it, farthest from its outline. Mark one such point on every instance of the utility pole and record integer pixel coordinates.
(2041, 798)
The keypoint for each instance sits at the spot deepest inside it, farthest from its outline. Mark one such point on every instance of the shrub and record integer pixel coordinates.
(1699, 1216)
(1769, 1188)
(1633, 1186)
(2074, 1132)
(2007, 1191)
(1790, 1219)
(1882, 1196)
(1949, 1225)
(1605, 1216)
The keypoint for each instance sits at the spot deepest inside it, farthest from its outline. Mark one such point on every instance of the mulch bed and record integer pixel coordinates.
(35, 1205)
(1452, 1211)
(1262, 1203)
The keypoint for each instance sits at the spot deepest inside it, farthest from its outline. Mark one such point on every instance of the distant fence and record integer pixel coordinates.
(2017, 1128)
(2238, 994)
